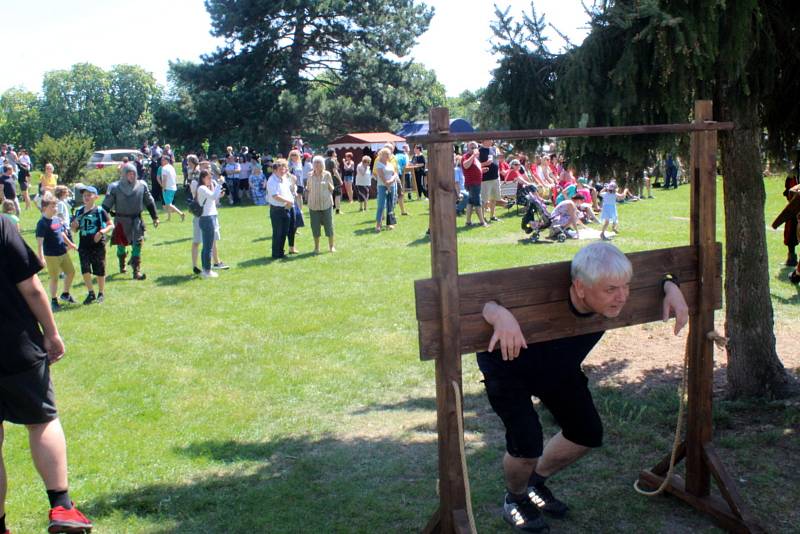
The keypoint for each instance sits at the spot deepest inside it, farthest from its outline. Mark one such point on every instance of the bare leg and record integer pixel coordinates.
(3, 479)
(68, 281)
(195, 253)
(402, 204)
(348, 186)
(603, 231)
(101, 284)
(316, 245)
(517, 471)
(53, 287)
(558, 454)
(27, 199)
(331, 246)
(214, 254)
(87, 280)
(469, 214)
(49, 452)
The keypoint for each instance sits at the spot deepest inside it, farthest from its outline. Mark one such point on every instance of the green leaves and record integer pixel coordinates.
(68, 154)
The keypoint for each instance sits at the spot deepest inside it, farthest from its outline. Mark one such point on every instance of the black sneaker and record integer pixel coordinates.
(196, 270)
(100, 298)
(542, 497)
(222, 266)
(89, 299)
(794, 277)
(54, 305)
(66, 297)
(523, 516)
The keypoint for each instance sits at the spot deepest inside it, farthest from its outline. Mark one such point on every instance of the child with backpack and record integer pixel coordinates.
(93, 224)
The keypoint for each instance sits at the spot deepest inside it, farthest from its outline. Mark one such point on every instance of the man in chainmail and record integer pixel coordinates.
(125, 200)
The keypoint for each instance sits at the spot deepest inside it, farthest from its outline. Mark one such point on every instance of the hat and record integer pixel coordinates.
(81, 188)
(307, 155)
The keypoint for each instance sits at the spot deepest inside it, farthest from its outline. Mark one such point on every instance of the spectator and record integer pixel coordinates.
(387, 178)
(363, 182)
(461, 189)
(320, 202)
(490, 184)
(93, 224)
(208, 193)
(27, 392)
(24, 175)
(48, 181)
(7, 189)
(281, 204)
(231, 170)
(169, 183)
(420, 172)
(472, 180)
(297, 170)
(258, 184)
(332, 166)
(10, 213)
(54, 244)
(348, 171)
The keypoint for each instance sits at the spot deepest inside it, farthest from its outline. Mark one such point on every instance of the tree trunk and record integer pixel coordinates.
(754, 369)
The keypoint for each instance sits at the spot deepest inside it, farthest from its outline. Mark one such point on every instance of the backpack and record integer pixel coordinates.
(195, 208)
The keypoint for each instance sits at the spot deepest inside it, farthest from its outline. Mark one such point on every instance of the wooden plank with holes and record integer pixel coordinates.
(538, 298)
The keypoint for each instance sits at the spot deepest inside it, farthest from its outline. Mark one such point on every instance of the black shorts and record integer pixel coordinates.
(27, 398)
(93, 260)
(564, 392)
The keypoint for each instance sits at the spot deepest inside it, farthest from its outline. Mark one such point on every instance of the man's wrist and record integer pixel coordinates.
(668, 279)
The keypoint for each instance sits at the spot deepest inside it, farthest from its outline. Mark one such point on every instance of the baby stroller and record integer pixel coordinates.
(536, 218)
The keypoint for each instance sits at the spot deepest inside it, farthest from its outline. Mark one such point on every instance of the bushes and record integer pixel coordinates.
(100, 178)
(68, 155)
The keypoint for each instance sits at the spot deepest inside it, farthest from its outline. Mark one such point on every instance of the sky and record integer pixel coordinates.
(44, 35)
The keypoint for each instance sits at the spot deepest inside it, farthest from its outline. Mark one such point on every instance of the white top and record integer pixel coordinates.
(297, 170)
(244, 170)
(208, 198)
(62, 208)
(363, 175)
(169, 178)
(25, 160)
(276, 186)
(384, 173)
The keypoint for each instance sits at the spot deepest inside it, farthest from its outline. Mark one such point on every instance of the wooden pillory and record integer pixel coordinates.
(450, 322)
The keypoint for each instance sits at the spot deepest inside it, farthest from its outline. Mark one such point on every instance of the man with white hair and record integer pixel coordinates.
(551, 371)
(125, 200)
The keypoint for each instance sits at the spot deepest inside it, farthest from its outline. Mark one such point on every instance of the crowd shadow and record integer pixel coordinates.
(172, 242)
(173, 279)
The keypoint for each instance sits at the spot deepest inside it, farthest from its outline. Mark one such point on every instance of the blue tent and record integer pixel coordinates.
(422, 127)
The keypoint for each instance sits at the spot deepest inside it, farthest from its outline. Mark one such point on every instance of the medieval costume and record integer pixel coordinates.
(126, 199)
(790, 229)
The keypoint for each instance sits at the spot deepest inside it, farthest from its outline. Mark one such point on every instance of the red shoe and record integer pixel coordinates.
(71, 521)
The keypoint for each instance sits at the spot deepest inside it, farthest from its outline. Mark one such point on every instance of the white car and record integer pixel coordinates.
(107, 158)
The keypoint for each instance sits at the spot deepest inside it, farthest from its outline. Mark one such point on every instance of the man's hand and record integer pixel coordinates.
(506, 331)
(675, 304)
(155, 223)
(54, 346)
(98, 236)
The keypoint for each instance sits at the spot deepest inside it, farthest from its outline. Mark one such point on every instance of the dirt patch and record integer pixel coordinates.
(647, 356)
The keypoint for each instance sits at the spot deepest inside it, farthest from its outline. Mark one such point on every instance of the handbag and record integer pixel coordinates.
(195, 207)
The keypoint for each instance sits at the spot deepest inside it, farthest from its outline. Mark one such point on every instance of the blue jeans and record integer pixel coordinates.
(233, 189)
(461, 205)
(385, 201)
(207, 224)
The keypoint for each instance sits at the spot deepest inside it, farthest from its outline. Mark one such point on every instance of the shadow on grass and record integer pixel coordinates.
(389, 479)
(255, 262)
(783, 278)
(172, 242)
(278, 486)
(173, 279)
(367, 231)
(260, 239)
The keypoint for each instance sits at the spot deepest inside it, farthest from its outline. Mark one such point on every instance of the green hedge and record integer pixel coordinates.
(100, 178)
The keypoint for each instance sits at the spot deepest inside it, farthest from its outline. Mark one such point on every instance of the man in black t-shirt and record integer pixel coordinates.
(490, 185)
(26, 392)
(551, 371)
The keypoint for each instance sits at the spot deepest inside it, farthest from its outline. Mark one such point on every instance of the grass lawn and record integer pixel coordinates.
(288, 396)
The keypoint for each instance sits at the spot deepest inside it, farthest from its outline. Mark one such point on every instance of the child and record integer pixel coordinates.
(9, 211)
(53, 246)
(63, 209)
(609, 213)
(93, 224)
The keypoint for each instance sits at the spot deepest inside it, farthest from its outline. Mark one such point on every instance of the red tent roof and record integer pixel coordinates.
(367, 138)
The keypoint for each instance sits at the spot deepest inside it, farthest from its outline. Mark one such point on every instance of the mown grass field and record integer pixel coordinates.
(288, 396)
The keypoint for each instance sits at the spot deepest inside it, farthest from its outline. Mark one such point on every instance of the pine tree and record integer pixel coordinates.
(646, 61)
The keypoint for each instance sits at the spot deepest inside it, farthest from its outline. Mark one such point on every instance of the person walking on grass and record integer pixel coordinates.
(208, 193)
(514, 371)
(24, 176)
(319, 187)
(363, 182)
(93, 225)
(168, 179)
(125, 200)
(26, 392)
(281, 204)
(54, 245)
(348, 171)
(197, 235)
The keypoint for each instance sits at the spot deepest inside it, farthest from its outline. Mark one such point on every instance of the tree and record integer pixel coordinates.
(354, 101)
(275, 52)
(68, 154)
(19, 117)
(645, 61)
(115, 108)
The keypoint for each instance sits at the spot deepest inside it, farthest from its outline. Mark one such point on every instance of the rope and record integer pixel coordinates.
(678, 426)
(721, 342)
(460, 420)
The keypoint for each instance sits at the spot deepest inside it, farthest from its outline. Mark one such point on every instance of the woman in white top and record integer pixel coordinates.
(207, 195)
(387, 187)
(363, 182)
